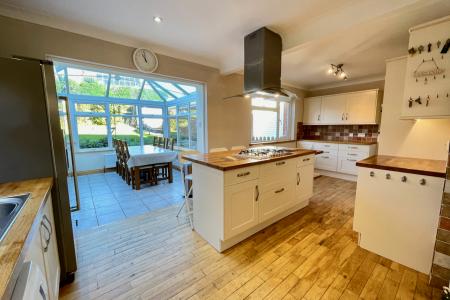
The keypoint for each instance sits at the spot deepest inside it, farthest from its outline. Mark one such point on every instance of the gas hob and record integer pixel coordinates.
(264, 152)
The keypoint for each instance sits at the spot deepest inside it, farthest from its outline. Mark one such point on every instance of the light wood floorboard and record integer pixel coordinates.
(311, 254)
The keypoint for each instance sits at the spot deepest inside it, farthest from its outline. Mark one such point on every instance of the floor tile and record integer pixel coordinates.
(109, 218)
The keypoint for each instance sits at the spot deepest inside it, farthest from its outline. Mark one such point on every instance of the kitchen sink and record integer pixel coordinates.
(9, 209)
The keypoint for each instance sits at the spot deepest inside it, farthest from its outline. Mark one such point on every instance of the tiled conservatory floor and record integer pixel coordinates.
(106, 198)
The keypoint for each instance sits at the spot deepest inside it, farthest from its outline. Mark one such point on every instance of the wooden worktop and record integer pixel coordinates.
(14, 241)
(227, 160)
(428, 167)
(341, 142)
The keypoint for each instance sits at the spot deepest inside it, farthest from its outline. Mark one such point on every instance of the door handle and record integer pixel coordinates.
(279, 191)
(306, 159)
(280, 163)
(346, 116)
(257, 193)
(342, 117)
(243, 174)
(372, 174)
(351, 159)
(47, 239)
(298, 178)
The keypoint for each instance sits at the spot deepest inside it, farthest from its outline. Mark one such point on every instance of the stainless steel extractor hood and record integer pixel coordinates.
(262, 64)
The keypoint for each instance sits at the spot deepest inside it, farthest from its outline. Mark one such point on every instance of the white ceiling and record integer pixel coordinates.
(359, 33)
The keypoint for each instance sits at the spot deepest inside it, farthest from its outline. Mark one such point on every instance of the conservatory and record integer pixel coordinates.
(105, 104)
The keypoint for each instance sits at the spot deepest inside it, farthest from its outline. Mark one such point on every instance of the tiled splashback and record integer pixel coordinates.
(360, 133)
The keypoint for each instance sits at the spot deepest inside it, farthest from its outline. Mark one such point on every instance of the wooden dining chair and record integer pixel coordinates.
(187, 185)
(161, 142)
(170, 144)
(117, 150)
(155, 140)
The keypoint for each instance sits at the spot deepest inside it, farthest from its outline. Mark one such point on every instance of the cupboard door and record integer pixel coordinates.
(276, 198)
(50, 250)
(241, 207)
(361, 108)
(333, 109)
(312, 110)
(304, 184)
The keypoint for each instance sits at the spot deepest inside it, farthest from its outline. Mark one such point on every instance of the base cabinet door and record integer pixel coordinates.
(304, 184)
(347, 165)
(50, 250)
(240, 207)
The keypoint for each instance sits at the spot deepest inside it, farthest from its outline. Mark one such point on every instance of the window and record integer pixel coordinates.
(106, 105)
(270, 119)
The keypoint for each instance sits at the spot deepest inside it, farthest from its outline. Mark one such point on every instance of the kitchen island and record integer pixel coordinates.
(237, 195)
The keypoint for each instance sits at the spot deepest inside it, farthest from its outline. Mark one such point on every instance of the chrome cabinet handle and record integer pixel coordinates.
(372, 174)
(422, 181)
(326, 157)
(318, 117)
(279, 191)
(326, 146)
(388, 176)
(404, 178)
(306, 159)
(342, 118)
(351, 159)
(47, 239)
(243, 174)
(352, 154)
(298, 178)
(257, 193)
(44, 217)
(280, 163)
(346, 116)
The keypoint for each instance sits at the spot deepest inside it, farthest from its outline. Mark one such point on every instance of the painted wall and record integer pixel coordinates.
(410, 138)
(228, 122)
(379, 84)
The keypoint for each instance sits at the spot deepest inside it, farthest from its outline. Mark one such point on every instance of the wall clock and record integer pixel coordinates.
(145, 60)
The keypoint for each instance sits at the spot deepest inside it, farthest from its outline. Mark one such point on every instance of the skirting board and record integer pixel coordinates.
(335, 175)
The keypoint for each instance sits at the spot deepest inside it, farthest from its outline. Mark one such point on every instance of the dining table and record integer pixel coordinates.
(148, 155)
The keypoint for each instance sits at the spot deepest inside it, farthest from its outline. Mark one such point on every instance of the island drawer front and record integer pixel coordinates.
(305, 160)
(240, 175)
(277, 169)
(326, 146)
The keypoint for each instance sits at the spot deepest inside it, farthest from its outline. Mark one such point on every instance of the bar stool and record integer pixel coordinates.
(187, 188)
(214, 150)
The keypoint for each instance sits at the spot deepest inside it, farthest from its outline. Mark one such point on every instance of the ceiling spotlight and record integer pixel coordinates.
(157, 19)
(337, 70)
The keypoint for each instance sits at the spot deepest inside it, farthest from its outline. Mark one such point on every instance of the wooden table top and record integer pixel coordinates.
(427, 167)
(227, 160)
(14, 241)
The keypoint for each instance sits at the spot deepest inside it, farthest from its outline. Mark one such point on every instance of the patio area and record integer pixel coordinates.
(106, 198)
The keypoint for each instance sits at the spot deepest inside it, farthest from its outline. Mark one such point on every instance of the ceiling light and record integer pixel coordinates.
(338, 71)
(157, 19)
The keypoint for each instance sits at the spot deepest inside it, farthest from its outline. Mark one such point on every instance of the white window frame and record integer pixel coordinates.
(278, 122)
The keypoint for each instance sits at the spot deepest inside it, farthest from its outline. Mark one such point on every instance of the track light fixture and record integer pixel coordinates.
(338, 71)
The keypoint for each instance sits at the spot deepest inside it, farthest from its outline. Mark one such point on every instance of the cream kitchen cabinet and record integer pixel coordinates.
(312, 110)
(362, 107)
(397, 214)
(231, 205)
(43, 250)
(240, 207)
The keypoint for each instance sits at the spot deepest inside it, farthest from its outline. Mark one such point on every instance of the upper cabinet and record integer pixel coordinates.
(311, 110)
(361, 107)
(427, 82)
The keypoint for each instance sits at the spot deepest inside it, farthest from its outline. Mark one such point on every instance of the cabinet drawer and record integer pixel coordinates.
(305, 160)
(353, 155)
(240, 175)
(305, 145)
(326, 162)
(276, 198)
(326, 146)
(350, 147)
(278, 169)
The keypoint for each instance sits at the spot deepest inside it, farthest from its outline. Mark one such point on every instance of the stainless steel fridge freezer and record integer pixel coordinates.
(33, 143)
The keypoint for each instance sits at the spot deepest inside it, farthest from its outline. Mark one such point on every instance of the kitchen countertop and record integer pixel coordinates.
(14, 241)
(341, 142)
(427, 167)
(226, 161)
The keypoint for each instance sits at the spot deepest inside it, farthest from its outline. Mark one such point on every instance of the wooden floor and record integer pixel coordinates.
(310, 254)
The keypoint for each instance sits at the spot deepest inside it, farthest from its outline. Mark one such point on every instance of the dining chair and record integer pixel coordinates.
(170, 144)
(160, 142)
(125, 157)
(214, 150)
(166, 143)
(155, 140)
(240, 147)
(117, 150)
(187, 184)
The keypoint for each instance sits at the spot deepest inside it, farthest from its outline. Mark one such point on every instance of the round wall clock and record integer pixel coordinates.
(145, 60)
